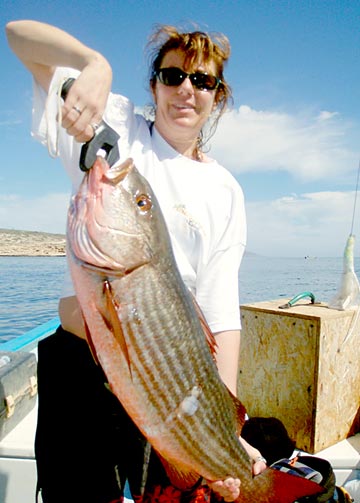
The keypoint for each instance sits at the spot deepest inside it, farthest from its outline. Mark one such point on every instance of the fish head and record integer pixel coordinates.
(114, 221)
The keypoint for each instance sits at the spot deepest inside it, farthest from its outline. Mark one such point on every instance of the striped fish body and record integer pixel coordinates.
(146, 333)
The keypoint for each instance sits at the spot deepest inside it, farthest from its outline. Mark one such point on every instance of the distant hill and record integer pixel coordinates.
(31, 243)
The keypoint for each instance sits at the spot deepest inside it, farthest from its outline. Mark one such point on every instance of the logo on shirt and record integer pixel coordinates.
(181, 208)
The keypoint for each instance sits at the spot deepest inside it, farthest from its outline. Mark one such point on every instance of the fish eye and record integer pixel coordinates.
(143, 203)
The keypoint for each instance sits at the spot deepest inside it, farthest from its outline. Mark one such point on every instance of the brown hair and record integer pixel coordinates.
(199, 48)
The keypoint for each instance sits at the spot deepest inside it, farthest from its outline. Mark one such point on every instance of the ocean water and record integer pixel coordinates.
(30, 286)
(264, 278)
(30, 289)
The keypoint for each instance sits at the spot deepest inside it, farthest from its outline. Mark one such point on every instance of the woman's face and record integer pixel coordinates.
(181, 111)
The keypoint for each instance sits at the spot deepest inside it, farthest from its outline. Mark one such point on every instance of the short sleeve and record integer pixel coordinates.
(217, 285)
(46, 126)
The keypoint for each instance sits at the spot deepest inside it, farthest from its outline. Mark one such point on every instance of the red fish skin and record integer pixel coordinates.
(274, 486)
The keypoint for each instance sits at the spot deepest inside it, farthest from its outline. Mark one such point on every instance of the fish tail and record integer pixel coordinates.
(274, 486)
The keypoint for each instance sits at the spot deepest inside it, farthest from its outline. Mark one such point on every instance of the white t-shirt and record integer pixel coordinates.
(202, 203)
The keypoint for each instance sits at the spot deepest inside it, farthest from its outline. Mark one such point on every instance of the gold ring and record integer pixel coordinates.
(77, 110)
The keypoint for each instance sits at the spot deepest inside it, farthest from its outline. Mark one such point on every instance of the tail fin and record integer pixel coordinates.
(273, 486)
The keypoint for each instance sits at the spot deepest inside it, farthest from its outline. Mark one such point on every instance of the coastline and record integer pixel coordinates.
(19, 243)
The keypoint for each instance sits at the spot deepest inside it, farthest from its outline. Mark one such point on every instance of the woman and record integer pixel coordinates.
(84, 439)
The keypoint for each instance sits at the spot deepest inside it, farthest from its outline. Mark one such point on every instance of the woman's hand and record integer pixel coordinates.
(258, 461)
(86, 101)
(42, 48)
(228, 489)
(258, 466)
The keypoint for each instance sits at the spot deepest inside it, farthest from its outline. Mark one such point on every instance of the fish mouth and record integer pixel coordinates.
(91, 256)
(119, 271)
(90, 253)
(117, 174)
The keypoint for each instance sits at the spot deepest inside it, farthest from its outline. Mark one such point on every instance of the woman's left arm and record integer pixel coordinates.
(227, 357)
(227, 360)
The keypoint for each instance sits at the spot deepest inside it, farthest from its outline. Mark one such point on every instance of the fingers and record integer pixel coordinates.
(79, 122)
(259, 466)
(228, 489)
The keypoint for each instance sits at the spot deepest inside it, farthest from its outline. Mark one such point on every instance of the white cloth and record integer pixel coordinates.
(202, 203)
(353, 488)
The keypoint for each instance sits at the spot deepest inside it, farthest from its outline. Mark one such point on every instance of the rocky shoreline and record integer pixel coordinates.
(31, 243)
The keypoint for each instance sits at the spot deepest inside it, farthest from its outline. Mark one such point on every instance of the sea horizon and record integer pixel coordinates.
(32, 286)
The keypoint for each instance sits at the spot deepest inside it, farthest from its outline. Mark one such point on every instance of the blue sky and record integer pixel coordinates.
(291, 138)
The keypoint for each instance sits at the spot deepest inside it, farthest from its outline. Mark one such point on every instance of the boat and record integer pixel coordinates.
(17, 459)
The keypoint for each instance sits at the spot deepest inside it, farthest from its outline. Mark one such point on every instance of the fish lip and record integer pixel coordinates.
(116, 174)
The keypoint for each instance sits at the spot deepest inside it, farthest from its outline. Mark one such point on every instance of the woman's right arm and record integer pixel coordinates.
(42, 48)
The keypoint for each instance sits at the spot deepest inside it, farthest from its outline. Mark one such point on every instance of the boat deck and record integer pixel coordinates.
(18, 469)
(17, 458)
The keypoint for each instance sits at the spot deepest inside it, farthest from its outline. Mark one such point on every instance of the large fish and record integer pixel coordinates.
(146, 331)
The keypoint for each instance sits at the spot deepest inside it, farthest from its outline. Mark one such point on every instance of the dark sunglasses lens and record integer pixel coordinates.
(203, 81)
(175, 76)
(171, 76)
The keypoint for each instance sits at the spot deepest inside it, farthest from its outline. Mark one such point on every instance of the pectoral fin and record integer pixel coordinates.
(113, 322)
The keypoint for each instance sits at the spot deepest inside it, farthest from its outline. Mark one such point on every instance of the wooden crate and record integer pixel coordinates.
(302, 365)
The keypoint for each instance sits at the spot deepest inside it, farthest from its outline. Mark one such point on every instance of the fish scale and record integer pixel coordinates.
(168, 403)
(146, 333)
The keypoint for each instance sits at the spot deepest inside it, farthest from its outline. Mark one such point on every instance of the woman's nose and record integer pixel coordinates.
(186, 86)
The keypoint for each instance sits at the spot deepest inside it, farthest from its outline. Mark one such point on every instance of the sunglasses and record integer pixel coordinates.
(175, 77)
